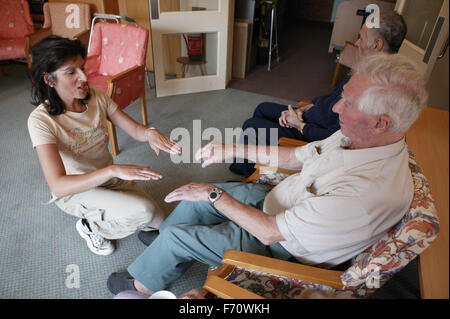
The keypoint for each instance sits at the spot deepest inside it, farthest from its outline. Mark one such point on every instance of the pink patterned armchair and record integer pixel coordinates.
(69, 20)
(116, 65)
(15, 23)
(245, 275)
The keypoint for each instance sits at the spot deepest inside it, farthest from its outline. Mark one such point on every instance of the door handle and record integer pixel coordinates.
(154, 9)
(443, 50)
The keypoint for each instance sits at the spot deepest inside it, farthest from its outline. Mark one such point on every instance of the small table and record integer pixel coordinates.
(185, 61)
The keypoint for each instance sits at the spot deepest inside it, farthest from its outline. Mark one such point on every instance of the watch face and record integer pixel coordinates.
(213, 195)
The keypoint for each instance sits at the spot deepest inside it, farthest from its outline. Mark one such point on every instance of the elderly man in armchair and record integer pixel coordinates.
(352, 188)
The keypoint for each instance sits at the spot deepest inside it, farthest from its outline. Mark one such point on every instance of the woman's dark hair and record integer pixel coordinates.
(47, 56)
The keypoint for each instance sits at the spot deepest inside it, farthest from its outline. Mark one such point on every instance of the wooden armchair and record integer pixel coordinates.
(116, 65)
(15, 25)
(69, 20)
(241, 270)
(249, 276)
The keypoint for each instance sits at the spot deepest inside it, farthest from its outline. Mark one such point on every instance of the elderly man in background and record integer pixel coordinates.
(316, 121)
(353, 187)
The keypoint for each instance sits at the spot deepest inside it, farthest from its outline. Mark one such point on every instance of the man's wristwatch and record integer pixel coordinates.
(214, 194)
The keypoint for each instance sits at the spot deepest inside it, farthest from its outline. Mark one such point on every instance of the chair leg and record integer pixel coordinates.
(148, 79)
(113, 138)
(336, 74)
(144, 110)
(202, 69)
(183, 71)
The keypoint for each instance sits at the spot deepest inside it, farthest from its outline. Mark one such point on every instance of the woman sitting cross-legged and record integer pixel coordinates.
(69, 131)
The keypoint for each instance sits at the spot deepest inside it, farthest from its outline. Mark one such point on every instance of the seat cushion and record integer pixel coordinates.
(12, 49)
(272, 286)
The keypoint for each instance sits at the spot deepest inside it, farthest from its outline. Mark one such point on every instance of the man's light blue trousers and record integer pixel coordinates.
(196, 231)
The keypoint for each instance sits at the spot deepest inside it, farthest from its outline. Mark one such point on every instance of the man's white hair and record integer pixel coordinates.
(398, 89)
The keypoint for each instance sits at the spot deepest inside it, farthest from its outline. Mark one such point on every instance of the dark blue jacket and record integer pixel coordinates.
(321, 121)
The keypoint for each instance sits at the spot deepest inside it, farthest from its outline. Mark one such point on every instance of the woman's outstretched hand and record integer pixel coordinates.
(134, 172)
(159, 141)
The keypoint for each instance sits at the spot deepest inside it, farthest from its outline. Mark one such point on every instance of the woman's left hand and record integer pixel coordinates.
(159, 141)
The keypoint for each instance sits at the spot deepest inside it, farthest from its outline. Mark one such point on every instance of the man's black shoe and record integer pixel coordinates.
(147, 237)
(120, 281)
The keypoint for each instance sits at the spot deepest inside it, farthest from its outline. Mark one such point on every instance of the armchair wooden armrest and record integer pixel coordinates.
(83, 36)
(113, 79)
(224, 289)
(38, 35)
(286, 141)
(32, 38)
(304, 102)
(91, 57)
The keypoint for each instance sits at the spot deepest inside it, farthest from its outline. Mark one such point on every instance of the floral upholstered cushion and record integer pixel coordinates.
(270, 178)
(278, 287)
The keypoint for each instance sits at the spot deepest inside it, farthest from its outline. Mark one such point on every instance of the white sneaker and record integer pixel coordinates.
(96, 243)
